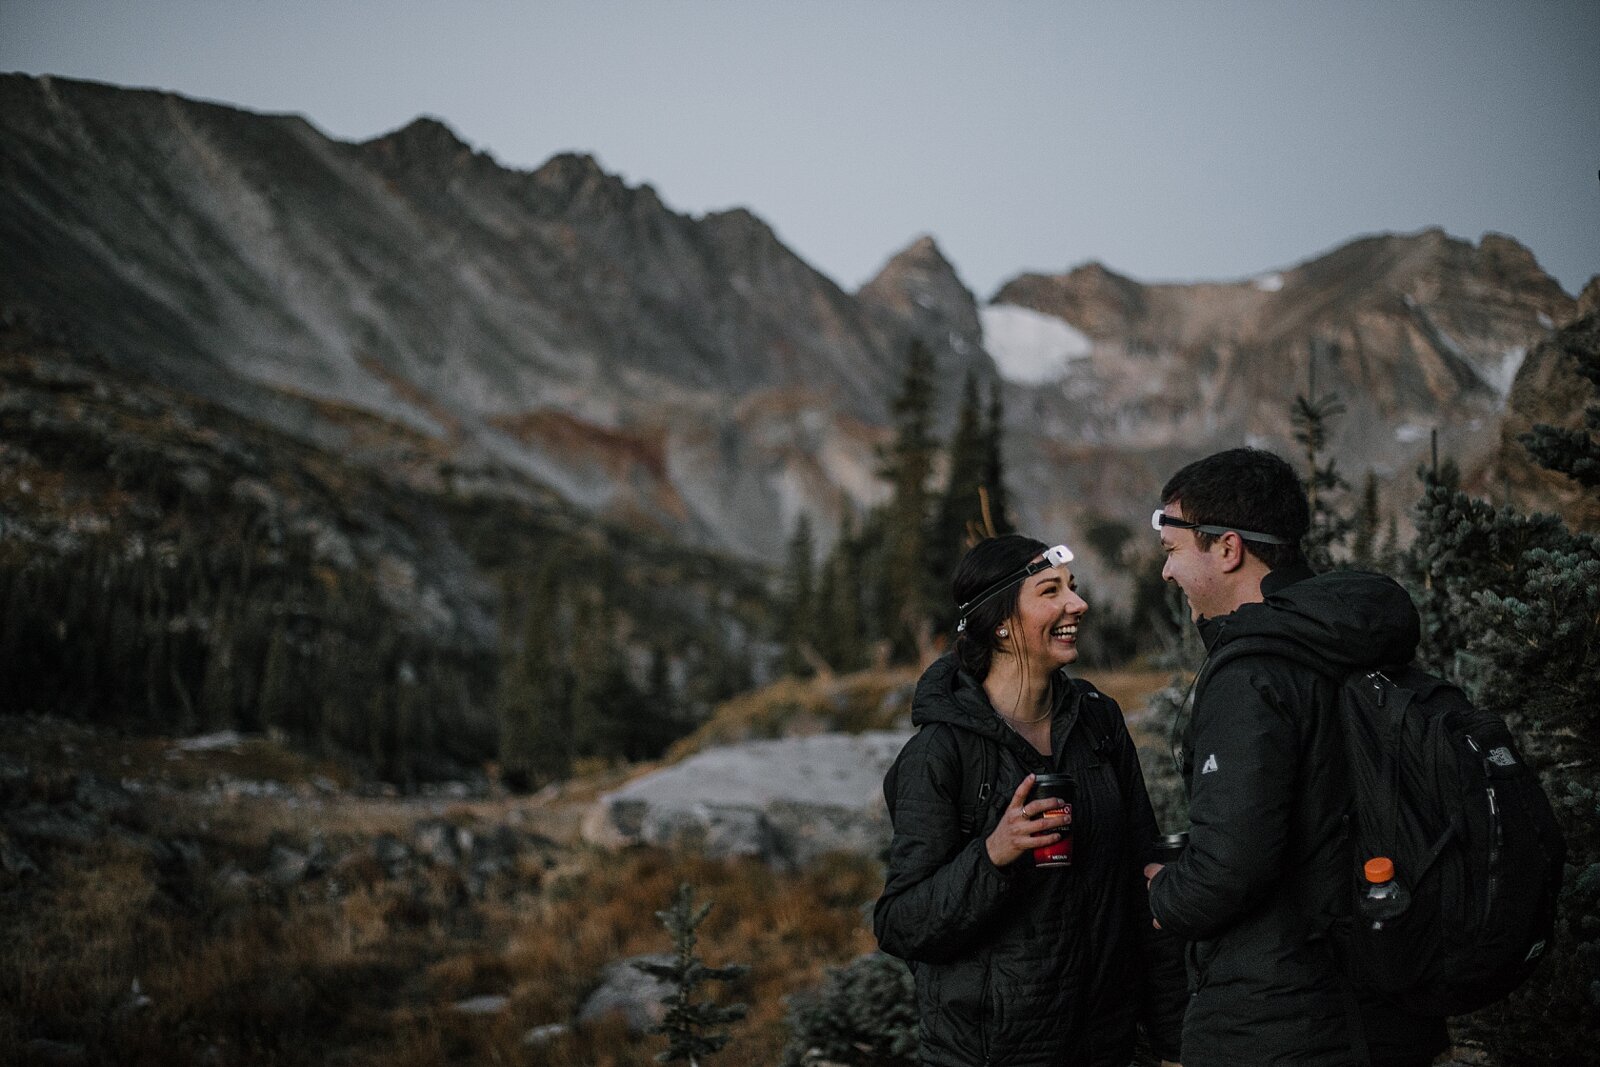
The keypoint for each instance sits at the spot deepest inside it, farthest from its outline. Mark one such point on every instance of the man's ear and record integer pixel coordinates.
(1232, 548)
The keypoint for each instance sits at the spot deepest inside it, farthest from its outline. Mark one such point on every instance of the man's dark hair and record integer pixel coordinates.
(1247, 488)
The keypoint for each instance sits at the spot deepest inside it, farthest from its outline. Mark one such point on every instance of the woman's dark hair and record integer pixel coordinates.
(987, 562)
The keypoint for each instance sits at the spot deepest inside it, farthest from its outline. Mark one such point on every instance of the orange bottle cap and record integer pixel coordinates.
(1379, 869)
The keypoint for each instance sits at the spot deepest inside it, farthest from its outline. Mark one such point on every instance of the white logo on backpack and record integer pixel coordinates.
(1210, 764)
(1502, 757)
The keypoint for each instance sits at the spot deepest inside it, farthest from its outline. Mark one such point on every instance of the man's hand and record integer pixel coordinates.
(1025, 825)
(1150, 872)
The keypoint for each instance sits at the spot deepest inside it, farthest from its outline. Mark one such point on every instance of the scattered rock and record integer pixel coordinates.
(287, 866)
(787, 801)
(48, 1053)
(103, 798)
(224, 739)
(436, 841)
(543, 1035)
(62, 825)
(392, 855)
(487, 1004)
(627, 990)
(13, 860)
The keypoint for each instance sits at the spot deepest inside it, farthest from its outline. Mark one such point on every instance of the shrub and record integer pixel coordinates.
(864, 1013)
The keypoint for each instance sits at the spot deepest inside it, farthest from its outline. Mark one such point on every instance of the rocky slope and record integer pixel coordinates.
(559, 323)
(1413, 333)
(691, 375)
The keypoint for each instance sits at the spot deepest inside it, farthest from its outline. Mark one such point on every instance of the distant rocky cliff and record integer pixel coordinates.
(559, 322)
(690, 375)
(1414, 333)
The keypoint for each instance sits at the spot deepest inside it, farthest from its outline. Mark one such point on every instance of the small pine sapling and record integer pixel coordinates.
(690, 1025)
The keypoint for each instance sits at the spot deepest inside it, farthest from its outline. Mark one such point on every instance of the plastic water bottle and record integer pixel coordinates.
(1385, 899)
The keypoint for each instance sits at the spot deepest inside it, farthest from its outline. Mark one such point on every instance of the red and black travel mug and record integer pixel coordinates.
(1059, 787)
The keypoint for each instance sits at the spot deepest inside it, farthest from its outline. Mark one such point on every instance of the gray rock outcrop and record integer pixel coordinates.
(785, 801)
(628, 991)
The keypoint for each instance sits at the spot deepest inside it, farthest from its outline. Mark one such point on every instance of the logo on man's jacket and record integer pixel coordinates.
(1210, 764)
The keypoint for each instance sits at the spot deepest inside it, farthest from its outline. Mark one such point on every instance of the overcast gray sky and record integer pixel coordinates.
(1167, 140)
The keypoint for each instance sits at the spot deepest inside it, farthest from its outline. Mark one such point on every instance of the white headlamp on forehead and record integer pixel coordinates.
(1052, 557)
(1161, 518)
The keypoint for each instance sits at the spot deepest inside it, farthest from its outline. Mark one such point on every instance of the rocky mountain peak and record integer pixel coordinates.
(576, 182)
(1098, 301)
(1589, 299)
(920, 284)
(424, 141)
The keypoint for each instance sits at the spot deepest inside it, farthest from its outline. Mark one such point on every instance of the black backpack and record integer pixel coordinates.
(1441, 789)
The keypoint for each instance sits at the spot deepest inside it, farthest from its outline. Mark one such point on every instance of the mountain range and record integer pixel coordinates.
(559, 334)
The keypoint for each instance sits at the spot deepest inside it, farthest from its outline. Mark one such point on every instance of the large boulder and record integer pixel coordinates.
(786, 801)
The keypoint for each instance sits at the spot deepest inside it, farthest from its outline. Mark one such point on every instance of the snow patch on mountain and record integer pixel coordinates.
(1029, 346)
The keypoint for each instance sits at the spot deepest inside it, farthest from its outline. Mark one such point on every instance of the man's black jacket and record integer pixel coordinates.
(1016, 965)
(1269, 867)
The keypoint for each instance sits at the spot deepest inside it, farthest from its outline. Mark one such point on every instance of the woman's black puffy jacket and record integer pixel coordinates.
(1018, 965)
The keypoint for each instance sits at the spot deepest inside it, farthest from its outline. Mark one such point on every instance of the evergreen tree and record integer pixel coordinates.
(533, 705)
(908, 596)
(800, 600)
(842, 616)
(606, 706)
(998, 516)
(1364, 552)
(1511, 609)
(1313, 417)
(864, 1013)
(1574, 453)
(960, 507)
(690, 1025)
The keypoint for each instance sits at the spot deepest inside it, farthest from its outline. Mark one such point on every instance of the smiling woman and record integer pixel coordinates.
(1024, 951)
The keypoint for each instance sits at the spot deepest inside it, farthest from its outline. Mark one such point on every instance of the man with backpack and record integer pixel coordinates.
(1263, 891)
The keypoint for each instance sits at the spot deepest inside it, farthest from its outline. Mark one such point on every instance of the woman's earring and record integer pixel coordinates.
(1002, 633)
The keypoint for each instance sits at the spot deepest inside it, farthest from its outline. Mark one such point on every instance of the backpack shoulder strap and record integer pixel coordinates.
(978, 762)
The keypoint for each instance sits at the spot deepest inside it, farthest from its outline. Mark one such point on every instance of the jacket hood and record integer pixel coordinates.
(947, 693)
(1348, 619)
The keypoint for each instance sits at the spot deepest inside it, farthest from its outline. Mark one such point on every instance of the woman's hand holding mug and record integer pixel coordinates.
(1026, 825)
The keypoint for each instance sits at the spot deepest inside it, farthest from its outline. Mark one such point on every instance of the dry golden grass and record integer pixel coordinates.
(785, 927)
(368, 972)
(849, 702)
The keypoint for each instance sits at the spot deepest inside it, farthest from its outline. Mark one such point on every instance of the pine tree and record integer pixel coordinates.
(1313, 417)
(1364, 552)
(1574, 453)
(533, 705)
(690, 1025)
(842, 616)
(908, 597)
(800, 599)
(605, 703)
(998, 514)
(863, 1013)
(960, 506)
(1511, 609)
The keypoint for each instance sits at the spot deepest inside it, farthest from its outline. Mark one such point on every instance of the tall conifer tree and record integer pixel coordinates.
(1511, 608)
(907, 597)
(994, 471)
(800, 602)
(960, 505)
